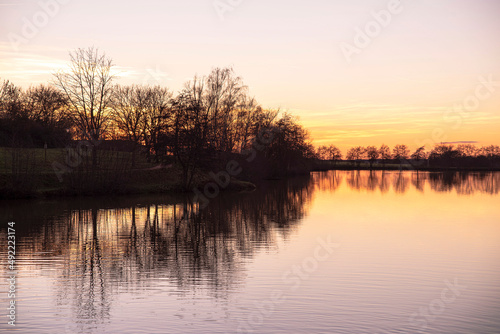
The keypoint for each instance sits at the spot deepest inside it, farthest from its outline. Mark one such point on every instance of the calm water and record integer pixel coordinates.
(336, 252)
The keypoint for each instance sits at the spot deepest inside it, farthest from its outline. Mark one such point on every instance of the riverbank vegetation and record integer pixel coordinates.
(440, 157)
(83, 133)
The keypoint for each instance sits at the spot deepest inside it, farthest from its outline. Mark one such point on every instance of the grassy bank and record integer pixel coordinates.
(39, 173)
(164, 180)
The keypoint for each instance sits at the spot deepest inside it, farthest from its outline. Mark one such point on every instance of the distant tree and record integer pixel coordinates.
(372, 154)
(444, 155)
(419, 155)
(443, 151)
(355, 154)
(11, 114)
(47, 109)
(400, 152)
(45, 104)
(329, 152)
(467, 150)
(384, 152)
(334, 153)
(321, 152)
(351, 154)
(10, 100)
(32, 117)
(492, 151)
(129, 113)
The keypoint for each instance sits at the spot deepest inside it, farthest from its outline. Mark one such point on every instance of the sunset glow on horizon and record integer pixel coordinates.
(364, 72)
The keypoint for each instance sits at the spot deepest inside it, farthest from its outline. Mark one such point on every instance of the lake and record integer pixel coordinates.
(333, 252)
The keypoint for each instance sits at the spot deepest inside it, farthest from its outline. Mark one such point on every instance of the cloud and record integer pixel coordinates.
(460, 142)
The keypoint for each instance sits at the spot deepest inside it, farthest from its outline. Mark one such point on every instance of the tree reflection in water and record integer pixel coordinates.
(402, 181)
(96, 247)
(105, 245)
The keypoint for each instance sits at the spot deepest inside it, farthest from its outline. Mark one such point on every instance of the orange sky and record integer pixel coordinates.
(362, 72)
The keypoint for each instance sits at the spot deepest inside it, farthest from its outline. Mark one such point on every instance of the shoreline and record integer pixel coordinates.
(323, 165)
(156, 182)
(410, 168)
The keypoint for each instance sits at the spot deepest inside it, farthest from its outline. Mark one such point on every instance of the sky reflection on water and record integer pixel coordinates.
(155, 264)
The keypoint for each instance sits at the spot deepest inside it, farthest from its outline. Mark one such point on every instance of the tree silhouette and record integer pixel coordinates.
(400, 153)
(384, 153)
(331, 152)
(418, 156)
(467, 150)
(355, 154)
(372, 154)
(88, 87)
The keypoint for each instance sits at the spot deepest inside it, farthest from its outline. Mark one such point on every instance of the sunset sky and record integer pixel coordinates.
(407, 83)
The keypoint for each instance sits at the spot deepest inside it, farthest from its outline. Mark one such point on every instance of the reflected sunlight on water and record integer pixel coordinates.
(336, 252)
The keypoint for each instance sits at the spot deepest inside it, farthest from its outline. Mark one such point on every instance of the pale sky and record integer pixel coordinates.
(401, 87)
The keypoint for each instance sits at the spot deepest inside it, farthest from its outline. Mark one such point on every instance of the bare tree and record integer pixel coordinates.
(331, 152)
(45, 104)
(355, 153)
(419, 154)
(128, 112)
(190, 124)
(334, 153)
(10, 100)
(372, 154)
(88, 88)
(444, 151)
(400, 152)
(289, 148)
(322, 152)
(468, 150)
(384, 152)
(492, 151)
(158, 116)
(223, 93)
(247, 115)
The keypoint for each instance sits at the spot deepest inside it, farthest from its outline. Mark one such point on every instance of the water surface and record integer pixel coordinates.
(336, 252)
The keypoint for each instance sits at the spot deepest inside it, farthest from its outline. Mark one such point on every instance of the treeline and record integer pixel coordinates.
(463, 183)
(211, 120)
(33, 117)
(441, 155)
